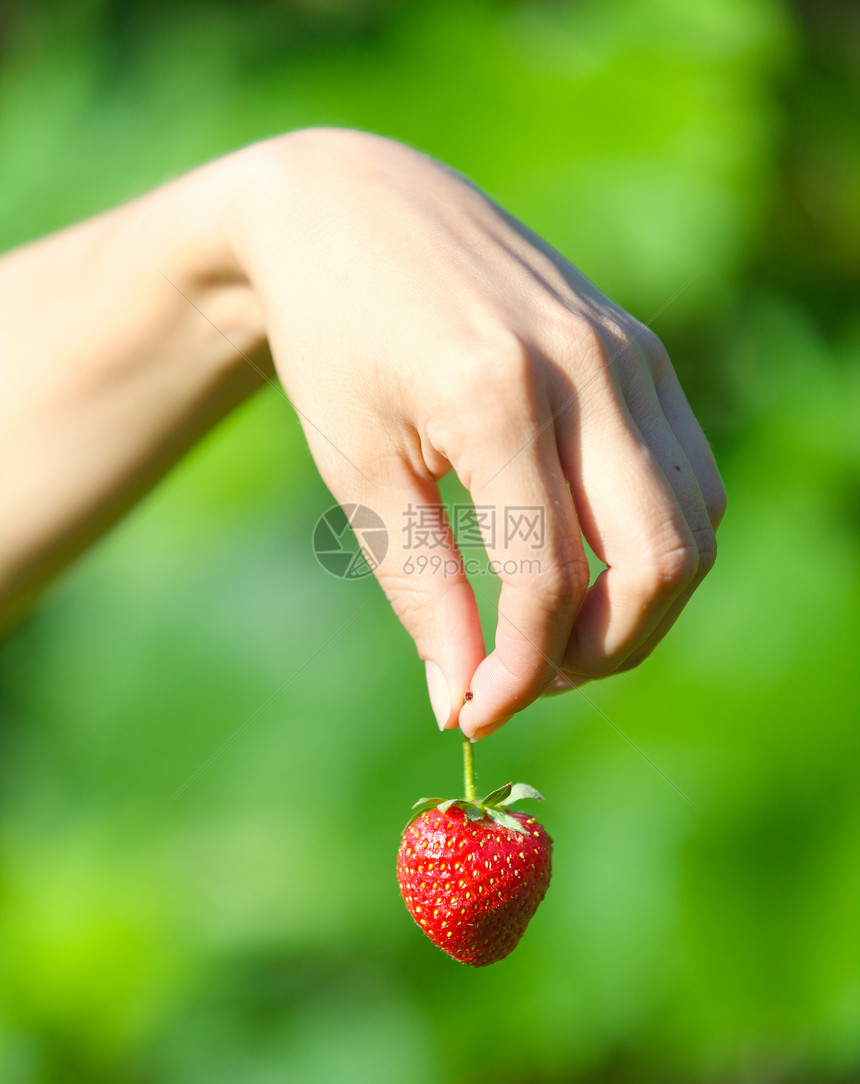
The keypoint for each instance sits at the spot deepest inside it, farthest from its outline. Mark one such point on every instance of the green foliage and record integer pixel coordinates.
(173, 881)
(492, 806)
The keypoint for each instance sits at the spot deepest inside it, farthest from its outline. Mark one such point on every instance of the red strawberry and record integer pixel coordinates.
(472, 873)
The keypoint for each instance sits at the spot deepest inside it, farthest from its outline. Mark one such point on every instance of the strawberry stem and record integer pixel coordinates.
(469, 769)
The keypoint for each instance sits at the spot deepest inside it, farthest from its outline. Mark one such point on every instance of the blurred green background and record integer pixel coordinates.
(251, 929)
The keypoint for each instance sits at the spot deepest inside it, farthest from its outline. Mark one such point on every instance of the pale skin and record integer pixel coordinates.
(417, 328)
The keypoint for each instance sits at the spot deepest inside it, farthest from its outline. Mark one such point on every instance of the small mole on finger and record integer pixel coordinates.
(467, 696)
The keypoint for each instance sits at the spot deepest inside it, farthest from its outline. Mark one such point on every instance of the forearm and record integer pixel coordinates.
(121, 343)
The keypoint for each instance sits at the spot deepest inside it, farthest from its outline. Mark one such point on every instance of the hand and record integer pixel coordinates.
(417, 327)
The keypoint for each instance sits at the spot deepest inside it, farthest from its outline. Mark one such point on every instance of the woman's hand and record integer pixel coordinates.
(417, 328)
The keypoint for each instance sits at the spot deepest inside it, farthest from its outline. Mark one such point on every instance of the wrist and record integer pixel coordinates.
(184, 233)
(127, 337)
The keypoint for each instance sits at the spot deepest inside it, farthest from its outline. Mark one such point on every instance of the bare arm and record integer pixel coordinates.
(109, 374)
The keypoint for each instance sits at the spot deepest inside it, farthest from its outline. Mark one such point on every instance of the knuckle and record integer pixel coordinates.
(485, 382)
(575, 339)
(591, 350)
(671, 569)
(406, 597)
(499, 371)
(566, 577)
(551, 593)
(651, 346)
(706, 541)
(512, 360)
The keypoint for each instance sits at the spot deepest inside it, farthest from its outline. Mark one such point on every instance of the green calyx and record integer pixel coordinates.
(495, 805)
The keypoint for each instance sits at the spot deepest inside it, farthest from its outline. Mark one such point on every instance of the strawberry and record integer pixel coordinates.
(472, 873)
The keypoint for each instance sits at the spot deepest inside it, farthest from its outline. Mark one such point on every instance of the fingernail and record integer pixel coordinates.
(559, 685)
(489, 728)
(437, 687)
(565, 683)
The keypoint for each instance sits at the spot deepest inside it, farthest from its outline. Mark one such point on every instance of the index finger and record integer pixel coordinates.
(536, 550)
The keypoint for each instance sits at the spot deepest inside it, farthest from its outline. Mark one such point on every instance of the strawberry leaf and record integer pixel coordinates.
(426, 803)
(491, 806)
(507, 821)
(498, 796)
(519, 791)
